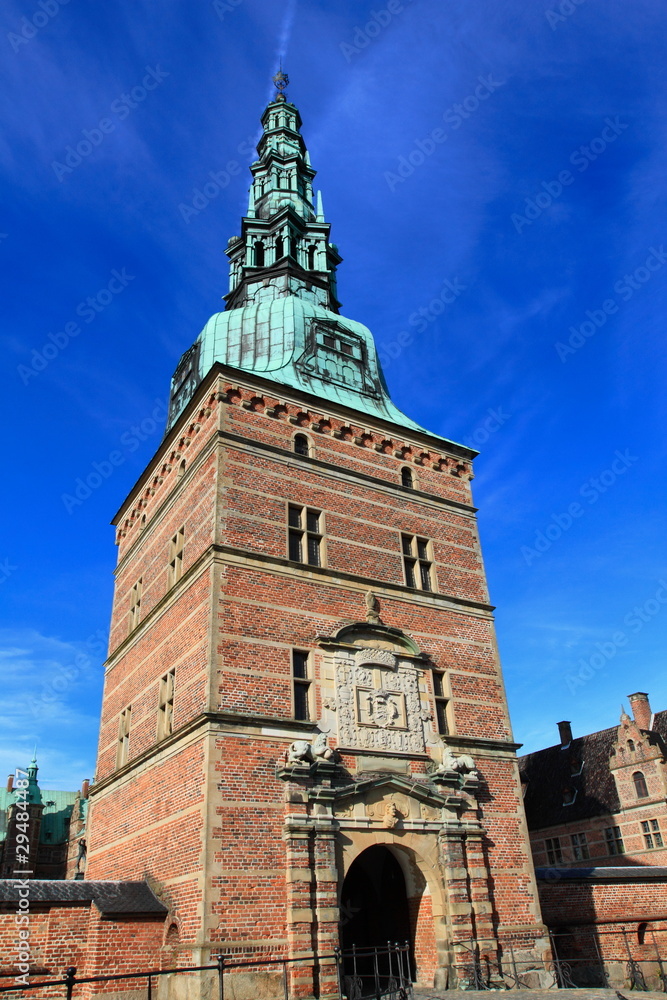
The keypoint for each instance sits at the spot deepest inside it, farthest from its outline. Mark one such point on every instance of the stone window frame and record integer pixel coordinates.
(165, 719)
(175, 567)
(652, 835)
(554, 850)
(418, 563)
(300, 520)
(408, 474)
(639, 781)
(302, 681)
(123, 744)
(614, 840)
(580, 848)
(136, 594)
(298, 437)
(441, 699)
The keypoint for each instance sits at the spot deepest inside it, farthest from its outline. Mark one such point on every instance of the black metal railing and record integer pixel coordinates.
(389, 975)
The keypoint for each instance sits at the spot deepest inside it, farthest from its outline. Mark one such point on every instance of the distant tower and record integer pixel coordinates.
(304, 736)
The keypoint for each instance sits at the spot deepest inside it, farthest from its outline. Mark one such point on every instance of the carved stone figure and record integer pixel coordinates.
(299, 752)
(464, 764)
(320, 749)
(372, 609)
(392, 817)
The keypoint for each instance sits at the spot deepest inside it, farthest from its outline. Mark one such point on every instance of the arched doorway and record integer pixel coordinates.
(374, 903)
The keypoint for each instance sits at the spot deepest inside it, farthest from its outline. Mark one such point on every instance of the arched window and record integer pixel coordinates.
(641, 933)
(181, 470)
(259, 254)
(631, 745)
(301, 444)
(640, 785)
(311, 256)
(407, 478)
(293, 248)
(280, 252)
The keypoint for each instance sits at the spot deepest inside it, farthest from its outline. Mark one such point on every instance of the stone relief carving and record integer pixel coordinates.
(378, 704)
(463, 764)
(302, 752)
(391, 817)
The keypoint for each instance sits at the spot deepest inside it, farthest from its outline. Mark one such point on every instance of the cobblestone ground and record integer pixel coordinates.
(553, 994)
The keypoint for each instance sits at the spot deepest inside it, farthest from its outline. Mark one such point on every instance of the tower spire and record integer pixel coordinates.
(284, 237)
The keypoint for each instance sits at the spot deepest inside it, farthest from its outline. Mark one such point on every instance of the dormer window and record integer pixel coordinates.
(641, 789)
(569, 795)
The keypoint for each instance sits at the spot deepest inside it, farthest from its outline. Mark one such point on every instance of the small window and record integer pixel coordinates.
(569, 795)
(122, 750)
(580, 850)
(407, 479)
(554, 850)
(301, 681)
(641, 933)
(641, 790)
(135, 604)
(181, 470)
(258, 254)
(311, 256)
(440, 702)
(301, 444)
(304, 535)
(165, 720)
(614, 840)
(417, 562)
(631, 746)
(279, 248)
(652, 835)
(175, 571)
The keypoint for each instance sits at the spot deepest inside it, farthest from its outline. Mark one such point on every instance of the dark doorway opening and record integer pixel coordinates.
(374, 907)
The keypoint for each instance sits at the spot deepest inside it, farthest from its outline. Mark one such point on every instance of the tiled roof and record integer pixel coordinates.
(631, 873)
(547, 773)
(110, 898)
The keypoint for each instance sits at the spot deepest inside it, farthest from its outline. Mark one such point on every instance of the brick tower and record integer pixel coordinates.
(304, 735)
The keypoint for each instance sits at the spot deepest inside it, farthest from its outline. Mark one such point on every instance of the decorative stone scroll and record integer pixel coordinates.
(377, 702)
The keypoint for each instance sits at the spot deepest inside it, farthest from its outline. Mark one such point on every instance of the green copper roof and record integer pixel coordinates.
(282, 319)
(57, 808)
(302, 345)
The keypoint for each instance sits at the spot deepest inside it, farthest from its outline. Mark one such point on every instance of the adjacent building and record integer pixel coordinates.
(596, 807)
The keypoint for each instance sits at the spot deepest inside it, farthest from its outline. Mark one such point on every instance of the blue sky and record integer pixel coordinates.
(494, 174)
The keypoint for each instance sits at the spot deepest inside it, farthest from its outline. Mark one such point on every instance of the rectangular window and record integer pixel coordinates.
(554, 851)
(301, 681)
(615, 845)
(417, 562)
(652, 835)
(440, 702)
(122, 750)
(580, 850)
(135, 604)
(175, 571)
(165, 717)
(304, 543)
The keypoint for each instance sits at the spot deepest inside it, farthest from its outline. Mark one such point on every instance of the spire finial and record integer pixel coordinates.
(281, 81)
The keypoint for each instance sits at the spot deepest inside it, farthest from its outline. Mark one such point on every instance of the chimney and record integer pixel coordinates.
(641, 709)
(85, 786)
(10, 782)
(565, 730)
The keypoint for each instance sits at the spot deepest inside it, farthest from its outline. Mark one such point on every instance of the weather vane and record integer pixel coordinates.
(281, 81)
